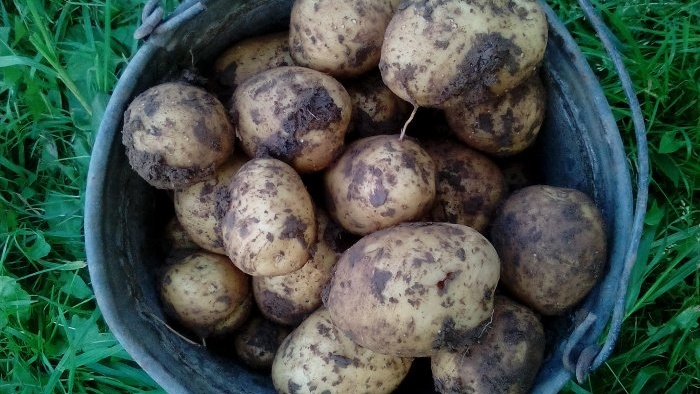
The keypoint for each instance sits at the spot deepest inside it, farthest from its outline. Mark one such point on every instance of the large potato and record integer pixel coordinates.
(206, 293)
(295, 114)
(505, 360)
(552, 244)
(415, 288)
(437, 50)
(270, 224)
(318, 358)
(176, 135)
(378, 182)
(289, 299)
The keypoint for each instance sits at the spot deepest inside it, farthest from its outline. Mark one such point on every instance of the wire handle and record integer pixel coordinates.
(152, 21)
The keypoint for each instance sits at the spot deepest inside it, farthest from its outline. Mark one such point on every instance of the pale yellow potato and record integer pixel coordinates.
(378, 182)
(317, 357)
(503, 126)
(176, 135)
(340, 37)
(505, 360)
(200, 207)
(289, 299)
(257, 341)
(415, 288)
(270, 224)
(206, 293)
(435, 51)
(248, 57)
(294, 114)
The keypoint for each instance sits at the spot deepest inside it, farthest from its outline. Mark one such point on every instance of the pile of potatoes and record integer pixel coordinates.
(376, 207)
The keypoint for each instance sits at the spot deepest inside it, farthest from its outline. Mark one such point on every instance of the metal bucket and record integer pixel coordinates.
(579, 145)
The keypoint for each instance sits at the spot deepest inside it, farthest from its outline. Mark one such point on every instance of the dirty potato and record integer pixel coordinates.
(552, 244)
(376, 110)
(270, 224)
(257, 341)
(415, 288)
(317, 357)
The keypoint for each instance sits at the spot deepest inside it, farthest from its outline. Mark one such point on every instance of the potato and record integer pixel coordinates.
(206, 293)
(199, 207)
(317, 358)
(270, 224)
(295, 114)
(251, 56)
(505, 360)
(503, 126)
(175, 238)
(256, 343)
(378, 182)
(437, 50)
(415, 288)
(289, 299)
(376, 109)
(470, 186)
(340, 37)
(553, 246)
(176, 135)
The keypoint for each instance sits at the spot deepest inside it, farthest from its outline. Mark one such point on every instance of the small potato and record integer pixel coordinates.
(553, 246)
(340, 37)
(378, 182)
(206, 293)
(505, 360)
(289, 299)
(270, 224)
(176, 135)
(295, 114)
(376, 109)
(256, 343)
(415, 288)
(437, 50)
(176, 239)
(503, 126)
(470, 186)
(317, 358)
(252, 56)
(199, 207)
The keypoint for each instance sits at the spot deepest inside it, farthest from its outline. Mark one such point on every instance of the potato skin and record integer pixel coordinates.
(470, 186)
(176, 135)
(505, 360)
(206, 293)
(256, 343)
(289, 299)
(503, 126)
(378, 182)
(316, 357)
(466, 48)
(415, 288)
(340, 37)
(376, 109)
(295, 114)
(553, 246)
(270, 223)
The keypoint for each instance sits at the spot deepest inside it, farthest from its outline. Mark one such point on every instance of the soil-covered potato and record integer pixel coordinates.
(270, 224)
(376, 110)
(294, 114)
(206, 293)
(378, 182)
(200, 207)
(251, 56)
(318, 358)
(175, 238)
(503, 126)
(552, 244)
(176, 135)
(470, 186)
(505, 360)
(256, 343)
(415, 288)
(437, 50)
(289, 299)
(340, 37)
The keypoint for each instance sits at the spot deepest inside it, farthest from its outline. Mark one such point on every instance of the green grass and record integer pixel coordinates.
(58, 64)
